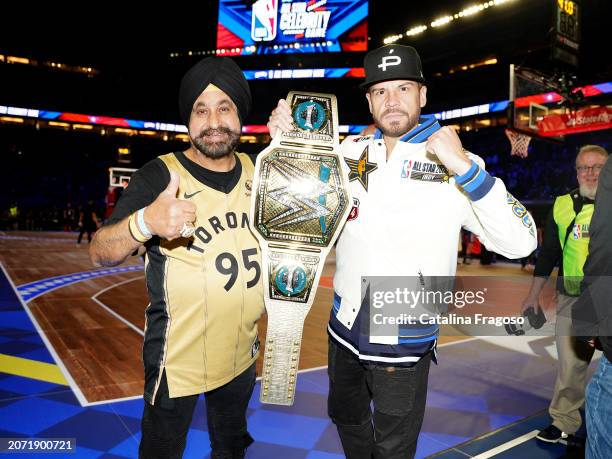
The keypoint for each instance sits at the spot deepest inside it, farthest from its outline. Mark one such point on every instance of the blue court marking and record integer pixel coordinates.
(477, 387)
(32, 238)
(35, 289)
(528, 447)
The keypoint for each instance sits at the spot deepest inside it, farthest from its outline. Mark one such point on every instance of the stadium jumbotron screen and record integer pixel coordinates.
(292, 26)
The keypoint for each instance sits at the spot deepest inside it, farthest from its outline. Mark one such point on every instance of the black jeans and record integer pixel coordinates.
(399, 396)
(165, 424)
(85, 229)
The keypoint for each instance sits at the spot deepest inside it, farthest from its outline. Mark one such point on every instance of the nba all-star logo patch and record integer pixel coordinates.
(581, 231)
(424, 171)
(361, 168)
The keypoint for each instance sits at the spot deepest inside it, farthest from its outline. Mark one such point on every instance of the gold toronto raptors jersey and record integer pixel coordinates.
(211, 296)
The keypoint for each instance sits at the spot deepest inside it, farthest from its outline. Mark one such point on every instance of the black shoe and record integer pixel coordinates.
(551, 435)
(575, 444)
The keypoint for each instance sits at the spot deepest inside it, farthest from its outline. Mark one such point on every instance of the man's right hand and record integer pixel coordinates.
(280, 119)
(166, 216)
(530, 301)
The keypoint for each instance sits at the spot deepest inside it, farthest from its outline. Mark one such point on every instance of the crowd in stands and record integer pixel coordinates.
(50, 196)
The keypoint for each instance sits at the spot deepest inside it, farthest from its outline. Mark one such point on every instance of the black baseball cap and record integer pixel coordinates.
(392, 62)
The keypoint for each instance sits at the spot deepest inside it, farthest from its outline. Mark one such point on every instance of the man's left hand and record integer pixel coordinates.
(446, 145)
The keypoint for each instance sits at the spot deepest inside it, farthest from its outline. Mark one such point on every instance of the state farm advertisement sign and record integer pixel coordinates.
(584, 120)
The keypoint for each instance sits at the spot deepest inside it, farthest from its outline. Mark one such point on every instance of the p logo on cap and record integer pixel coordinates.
(392, 62)
(388, 61)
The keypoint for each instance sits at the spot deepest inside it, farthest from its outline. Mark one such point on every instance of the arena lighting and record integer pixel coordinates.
(466, 12)
(57, 124)
(416, 30)
(473, 65)
(279, 74)
(17, 60)
(392, 39)
(441, 21)
(58, 118)
(410, 32)
(471, 10)
(54, 65)
(125, 131)
(10, 119)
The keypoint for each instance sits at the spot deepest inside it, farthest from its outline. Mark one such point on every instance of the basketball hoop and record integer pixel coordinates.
(519, 142)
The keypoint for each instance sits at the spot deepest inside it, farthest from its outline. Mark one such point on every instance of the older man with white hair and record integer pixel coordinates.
(566, 240)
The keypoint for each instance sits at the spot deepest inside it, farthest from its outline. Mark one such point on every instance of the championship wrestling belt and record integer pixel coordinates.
(299, 205)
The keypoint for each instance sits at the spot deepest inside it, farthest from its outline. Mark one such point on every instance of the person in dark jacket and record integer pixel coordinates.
(592, 319)
(88, 222)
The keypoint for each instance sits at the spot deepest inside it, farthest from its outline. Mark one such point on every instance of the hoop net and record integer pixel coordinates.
(519, 142)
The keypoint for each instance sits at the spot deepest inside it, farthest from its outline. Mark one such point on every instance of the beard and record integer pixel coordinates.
(397, 127)
(588, 191)
(215, 150)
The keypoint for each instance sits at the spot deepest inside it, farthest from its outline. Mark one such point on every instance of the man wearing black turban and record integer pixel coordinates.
(203, 269)
(225, 75)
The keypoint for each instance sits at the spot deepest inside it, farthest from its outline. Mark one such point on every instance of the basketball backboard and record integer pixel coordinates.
(117, 175)
(533, 96)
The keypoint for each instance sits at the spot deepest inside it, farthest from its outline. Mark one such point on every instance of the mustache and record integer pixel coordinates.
(393, 110)
(216, 131)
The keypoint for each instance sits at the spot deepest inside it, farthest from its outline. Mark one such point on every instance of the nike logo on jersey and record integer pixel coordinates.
(189, 196)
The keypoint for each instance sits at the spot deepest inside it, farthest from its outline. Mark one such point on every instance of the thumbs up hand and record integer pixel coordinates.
(167, 215)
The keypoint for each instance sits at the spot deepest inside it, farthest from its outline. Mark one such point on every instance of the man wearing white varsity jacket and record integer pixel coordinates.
(414, 187)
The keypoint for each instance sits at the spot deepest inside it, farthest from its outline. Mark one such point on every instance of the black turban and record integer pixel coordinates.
(224, 74)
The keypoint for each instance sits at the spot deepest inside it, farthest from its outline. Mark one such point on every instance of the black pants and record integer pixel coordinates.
(399, 396)
(165, 424)
(83, 230)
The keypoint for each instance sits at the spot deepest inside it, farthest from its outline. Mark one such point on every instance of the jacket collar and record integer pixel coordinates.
(428, 124)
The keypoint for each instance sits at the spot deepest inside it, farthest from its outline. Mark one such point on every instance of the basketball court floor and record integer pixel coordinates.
(70, 368)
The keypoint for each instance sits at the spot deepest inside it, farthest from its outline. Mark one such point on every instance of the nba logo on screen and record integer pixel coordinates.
(265, 20)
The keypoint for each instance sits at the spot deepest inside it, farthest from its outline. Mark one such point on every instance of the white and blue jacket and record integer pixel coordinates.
(407, 216)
